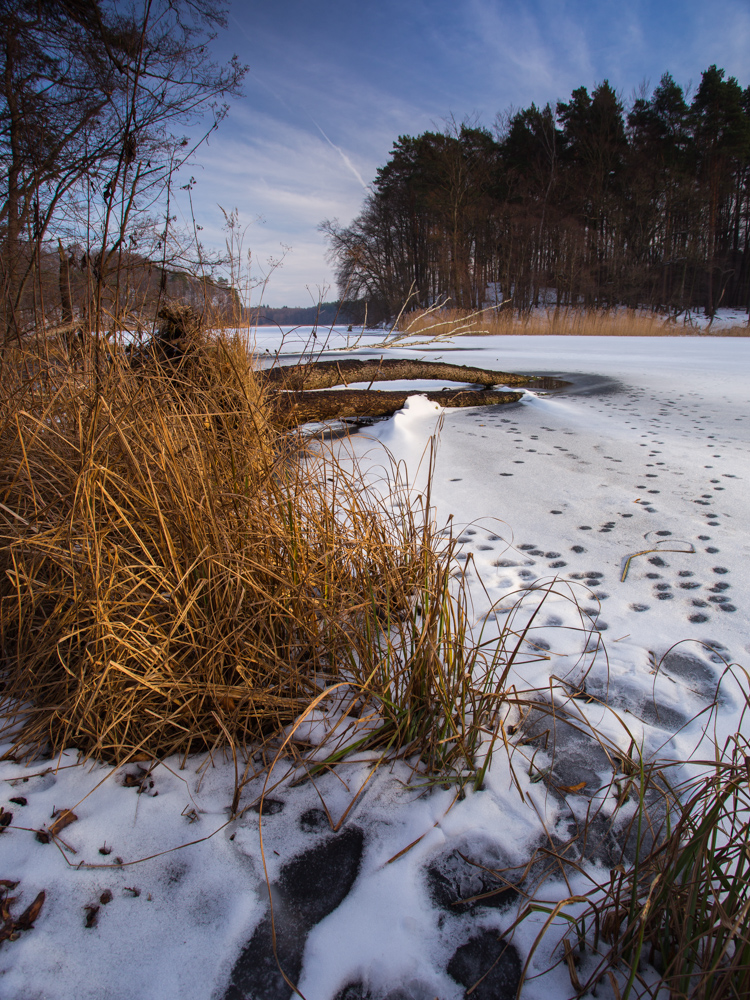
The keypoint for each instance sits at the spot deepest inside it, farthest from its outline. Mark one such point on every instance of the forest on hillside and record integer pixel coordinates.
(587, 204)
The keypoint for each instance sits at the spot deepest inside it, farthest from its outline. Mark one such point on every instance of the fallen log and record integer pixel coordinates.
(295, 408)
(327, 374)
(305, 392)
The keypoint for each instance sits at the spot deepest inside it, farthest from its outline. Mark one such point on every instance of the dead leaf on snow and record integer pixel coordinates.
(64, 818)
(26, 921)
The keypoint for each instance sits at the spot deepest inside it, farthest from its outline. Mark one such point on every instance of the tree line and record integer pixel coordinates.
(588, 204)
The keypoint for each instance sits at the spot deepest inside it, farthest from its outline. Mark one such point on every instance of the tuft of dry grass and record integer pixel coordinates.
(176, 574)
(672, 916)
(553, 322)
(683, 907)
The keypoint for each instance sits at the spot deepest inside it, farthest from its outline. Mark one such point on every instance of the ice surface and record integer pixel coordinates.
(648, 452)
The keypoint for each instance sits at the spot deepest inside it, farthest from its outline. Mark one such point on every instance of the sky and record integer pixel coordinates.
(332, 84)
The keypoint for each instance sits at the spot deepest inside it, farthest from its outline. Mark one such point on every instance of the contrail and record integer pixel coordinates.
(347, 162)
(343, 156)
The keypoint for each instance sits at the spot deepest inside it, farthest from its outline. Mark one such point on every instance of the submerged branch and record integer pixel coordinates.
(300, 407)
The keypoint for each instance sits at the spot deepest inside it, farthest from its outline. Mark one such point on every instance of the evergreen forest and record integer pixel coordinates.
(588, 204)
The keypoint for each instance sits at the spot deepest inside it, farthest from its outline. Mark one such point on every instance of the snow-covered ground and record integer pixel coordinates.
(648, 450)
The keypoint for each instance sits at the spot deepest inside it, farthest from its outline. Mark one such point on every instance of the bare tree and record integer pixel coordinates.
(95, 102)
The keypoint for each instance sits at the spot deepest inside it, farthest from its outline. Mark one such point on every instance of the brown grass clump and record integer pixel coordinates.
(553, 322)
(682, 907)
(176, 574)
(672, 917)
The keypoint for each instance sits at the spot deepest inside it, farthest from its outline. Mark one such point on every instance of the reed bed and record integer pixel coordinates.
(553, 322)
(178, 574)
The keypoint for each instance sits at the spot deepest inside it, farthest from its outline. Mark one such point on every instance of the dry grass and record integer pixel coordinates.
(553, 322)
(671, 917)
(683, 907)
(177, 574)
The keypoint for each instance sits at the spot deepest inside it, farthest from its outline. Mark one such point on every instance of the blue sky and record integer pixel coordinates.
(332, 83)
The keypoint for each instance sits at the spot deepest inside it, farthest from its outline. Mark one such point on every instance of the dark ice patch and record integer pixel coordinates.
(690, 670)
(454, 879)
(310, 886)
(488, 965)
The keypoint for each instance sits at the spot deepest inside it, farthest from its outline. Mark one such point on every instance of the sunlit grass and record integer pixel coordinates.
(555, 322)
(178, 573)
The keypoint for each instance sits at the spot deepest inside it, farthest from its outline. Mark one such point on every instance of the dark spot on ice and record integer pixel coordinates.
(698, 618)
(358, 991)
(452, 879)
(657, 561)
(270, 807)
(314, 821)
(584, 527)
(720, 569)
(577, 548)
(639, 607)
(663, 532)
(487, 964)
(305, 893)
(557, 564)
(711, 550)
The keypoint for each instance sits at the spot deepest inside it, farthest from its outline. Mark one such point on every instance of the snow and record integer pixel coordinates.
(650, 449)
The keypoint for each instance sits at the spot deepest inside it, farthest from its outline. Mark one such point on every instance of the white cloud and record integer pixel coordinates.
(531, 55)
(284, 181)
